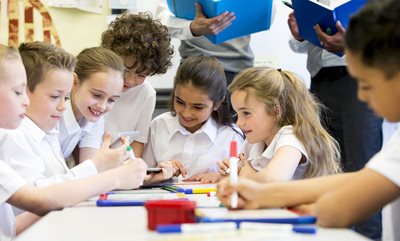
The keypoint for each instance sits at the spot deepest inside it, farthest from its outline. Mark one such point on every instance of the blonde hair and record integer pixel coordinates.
(286, 97)
(8, 53)
(39, 58)
(97, 59)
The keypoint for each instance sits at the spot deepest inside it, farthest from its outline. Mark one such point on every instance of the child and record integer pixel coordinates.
(33, 150)
(284, 137)
(372, 54)
(198, 130)
(15, 190)
(98, 82)
(145, 46)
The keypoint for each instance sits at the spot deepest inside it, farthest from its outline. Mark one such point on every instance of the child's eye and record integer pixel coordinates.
(198, 107)
(18, 92)
(66, 98)
(111, 100)
(97, 96)
(179, 101)
(245, 113)
(54, 97)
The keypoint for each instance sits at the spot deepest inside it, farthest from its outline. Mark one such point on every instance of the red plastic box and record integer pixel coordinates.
(169, 212)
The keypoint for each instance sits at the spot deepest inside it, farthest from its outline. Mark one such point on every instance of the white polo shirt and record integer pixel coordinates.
(36, 156)
(10, 182)
(87, 134)
(199, 152)
(387, 163)
(133, 111)
(261, 156)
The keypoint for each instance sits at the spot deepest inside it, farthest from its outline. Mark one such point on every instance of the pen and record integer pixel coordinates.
(233, 176)
(287, 4)
(274, 227)
(196, 227)
(130, 153)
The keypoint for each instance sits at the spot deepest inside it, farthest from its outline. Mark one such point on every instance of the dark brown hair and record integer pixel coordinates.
(142, 37)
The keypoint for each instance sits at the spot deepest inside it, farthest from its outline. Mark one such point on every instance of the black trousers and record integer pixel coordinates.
(356, 128)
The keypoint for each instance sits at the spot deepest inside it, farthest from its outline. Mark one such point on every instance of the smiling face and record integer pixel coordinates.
(48, 98)
(13, 98)
(252, 118)
(96, 95)
(131, 76)
(380, 93)
(192, 106)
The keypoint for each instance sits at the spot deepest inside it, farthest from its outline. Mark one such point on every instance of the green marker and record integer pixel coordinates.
(328, 31)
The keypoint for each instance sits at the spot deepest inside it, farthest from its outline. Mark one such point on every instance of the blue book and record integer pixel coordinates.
(251, 15)
(312, 12)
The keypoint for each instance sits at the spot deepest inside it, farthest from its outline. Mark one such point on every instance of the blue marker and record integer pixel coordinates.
(273, 227)
(196, 227)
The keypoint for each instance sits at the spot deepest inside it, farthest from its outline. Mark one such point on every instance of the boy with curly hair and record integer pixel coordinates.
(145, 46)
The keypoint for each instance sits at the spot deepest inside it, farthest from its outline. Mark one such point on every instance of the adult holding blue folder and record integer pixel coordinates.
(235, 55)
(346, 117)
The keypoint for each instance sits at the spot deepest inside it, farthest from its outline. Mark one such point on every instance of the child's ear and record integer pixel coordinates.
(277, 112)
(76, 81)
(217, 105)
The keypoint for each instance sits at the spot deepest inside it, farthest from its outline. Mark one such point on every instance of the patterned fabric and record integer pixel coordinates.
(13, 11)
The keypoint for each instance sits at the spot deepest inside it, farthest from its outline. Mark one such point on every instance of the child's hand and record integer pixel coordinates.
(223, 167)
(106, 158)
(247, 170)
(306, 209)
(248, 191)
(178, 168)
(131, 174)
(209, 177)
(167, 172)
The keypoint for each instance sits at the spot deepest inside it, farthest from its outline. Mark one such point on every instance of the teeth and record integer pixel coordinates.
(95, 113)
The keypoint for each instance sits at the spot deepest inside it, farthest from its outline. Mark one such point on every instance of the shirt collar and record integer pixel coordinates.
(72, 126)
(209, 128)
(35, 131)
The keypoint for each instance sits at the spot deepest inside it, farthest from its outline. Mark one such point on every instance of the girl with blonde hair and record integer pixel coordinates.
(284, 136)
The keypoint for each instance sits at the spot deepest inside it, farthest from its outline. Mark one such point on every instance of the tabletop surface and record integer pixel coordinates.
(130, 224)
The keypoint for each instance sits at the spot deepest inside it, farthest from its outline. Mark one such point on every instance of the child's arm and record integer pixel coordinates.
(281, 167)
(86, 153)
(137, 148)
(358, 199)
(42, 200)
(254, 194)
(24, 221)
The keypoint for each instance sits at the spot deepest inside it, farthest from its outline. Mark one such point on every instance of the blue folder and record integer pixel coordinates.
(309, 13)
(251, 15)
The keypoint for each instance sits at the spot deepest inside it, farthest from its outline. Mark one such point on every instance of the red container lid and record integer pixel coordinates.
(186, 204)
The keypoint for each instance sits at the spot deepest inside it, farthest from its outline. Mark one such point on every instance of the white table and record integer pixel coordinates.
(130, 223)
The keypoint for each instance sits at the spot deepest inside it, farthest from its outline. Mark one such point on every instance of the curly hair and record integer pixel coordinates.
(142, 37)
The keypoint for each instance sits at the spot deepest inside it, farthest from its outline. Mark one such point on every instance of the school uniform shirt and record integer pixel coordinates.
(199, 152)
(36, 156)
(10, 182)
(259, 156)
(133, 111)
(387, 163)
(87, 134)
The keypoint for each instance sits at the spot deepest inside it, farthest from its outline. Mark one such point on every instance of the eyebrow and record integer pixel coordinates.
(102, 92)
(195, 104)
